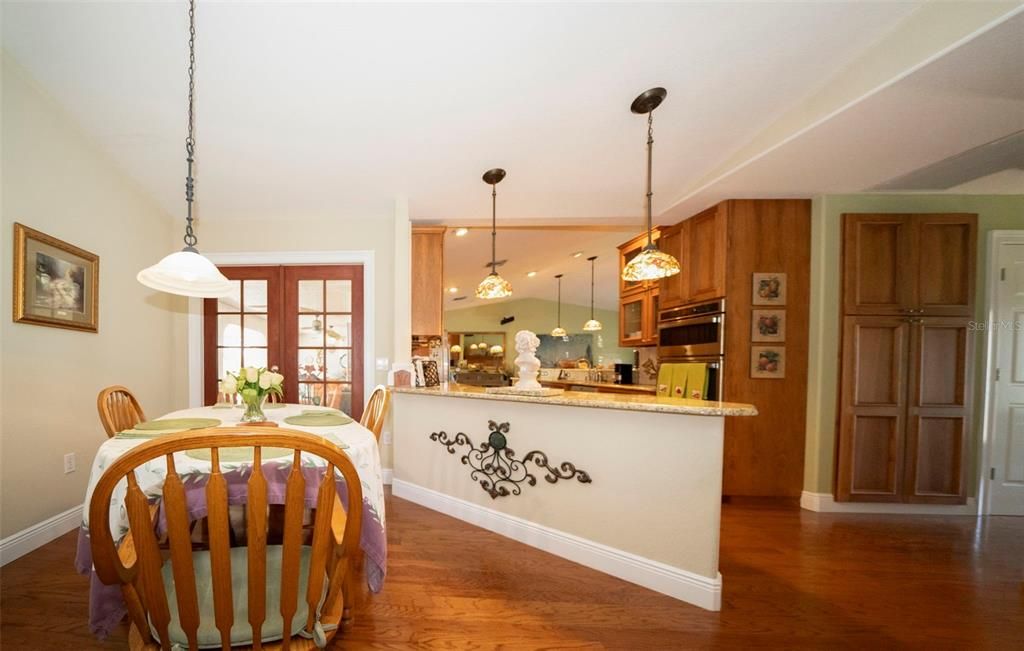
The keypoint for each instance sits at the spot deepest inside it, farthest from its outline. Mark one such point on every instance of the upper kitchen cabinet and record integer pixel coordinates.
(704, 254)
(909, 264)
(427, 280)
(674, 288)
(627, 252)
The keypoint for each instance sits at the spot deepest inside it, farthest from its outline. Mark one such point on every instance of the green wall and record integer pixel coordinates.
(994, 212)
(538, 316)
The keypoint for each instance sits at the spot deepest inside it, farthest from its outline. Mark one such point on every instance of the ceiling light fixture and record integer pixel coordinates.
(531, 274)
(461, 232)
(650, 263)
(186, 272)
(593, 324)
(577, 254)
(453, 290)
(494, 286)
(559, 331)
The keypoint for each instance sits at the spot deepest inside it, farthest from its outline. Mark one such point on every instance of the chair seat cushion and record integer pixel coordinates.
(241, 632)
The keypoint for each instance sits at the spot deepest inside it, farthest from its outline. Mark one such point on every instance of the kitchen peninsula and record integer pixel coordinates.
(630, 485)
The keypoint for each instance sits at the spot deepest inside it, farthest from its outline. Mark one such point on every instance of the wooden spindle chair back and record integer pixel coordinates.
(136, 563)
(376, 410)
(119, 410)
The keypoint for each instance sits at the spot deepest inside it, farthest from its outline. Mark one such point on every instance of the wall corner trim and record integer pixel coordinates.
(686, 586)
(31, 538)
(825, 503)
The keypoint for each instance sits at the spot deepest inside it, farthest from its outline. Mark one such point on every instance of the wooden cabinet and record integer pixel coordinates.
(638, 301)
(704, 253)
(905, 378)
(909, 264)
(427, 280)
(673, 289)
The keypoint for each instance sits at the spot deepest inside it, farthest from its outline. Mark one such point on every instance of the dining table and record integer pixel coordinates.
(106, 604)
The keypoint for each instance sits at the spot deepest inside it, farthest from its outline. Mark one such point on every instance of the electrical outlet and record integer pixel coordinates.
(385, 437)
(69, 463)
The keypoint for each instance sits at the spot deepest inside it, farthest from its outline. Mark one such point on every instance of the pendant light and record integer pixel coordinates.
(494, 286)
(559, 331)
(186, 272)
(650, 263)
(593, 325)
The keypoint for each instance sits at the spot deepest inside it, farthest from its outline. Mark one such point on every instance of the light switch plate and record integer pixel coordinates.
(385, 437)
(382, 364)
(69, 463)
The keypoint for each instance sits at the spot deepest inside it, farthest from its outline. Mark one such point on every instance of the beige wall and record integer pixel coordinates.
(57, 181)
(538, 316)
(994, 212)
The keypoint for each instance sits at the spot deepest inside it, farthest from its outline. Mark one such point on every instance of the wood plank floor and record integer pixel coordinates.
(793, 579)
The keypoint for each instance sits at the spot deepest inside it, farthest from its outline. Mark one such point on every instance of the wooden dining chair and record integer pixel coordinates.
(238, 596)
(376, 410)
(119, 410)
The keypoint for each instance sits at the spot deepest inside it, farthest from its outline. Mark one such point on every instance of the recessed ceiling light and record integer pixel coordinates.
(531, 274)
(461, 232)
(453, 290)
(577, 254)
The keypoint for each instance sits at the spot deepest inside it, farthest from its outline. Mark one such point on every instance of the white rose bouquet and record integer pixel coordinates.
(253, 385)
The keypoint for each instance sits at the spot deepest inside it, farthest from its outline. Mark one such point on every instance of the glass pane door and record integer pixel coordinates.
(323, 333)
(242, 328)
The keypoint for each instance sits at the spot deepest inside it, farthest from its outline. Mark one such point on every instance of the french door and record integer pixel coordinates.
(306, 320)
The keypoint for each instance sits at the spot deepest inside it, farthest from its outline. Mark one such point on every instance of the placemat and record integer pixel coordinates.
(178, 423)
(141, 434)
(319, 419)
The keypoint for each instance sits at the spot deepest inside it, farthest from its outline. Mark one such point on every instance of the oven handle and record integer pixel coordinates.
(692, 320)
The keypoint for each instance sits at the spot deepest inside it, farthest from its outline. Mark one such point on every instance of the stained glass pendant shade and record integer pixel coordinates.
(650, 263)
(494, 286)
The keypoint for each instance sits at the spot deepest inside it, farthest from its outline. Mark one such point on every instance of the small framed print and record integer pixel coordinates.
(769, 289)
(768, 362)
(56, 284)
(768, 325)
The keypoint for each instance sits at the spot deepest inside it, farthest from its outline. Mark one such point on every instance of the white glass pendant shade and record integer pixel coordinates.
(186, 273)
(456, 349)
(497, 350)
(650, 264)
(558, 332)
(592, 325)
(493, 286)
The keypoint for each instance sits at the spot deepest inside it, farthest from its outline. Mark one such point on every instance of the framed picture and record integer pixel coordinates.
(56, 284)
(768, 362)
(768, 325)
(769, 289)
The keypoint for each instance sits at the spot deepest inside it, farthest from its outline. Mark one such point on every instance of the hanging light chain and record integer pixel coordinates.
(190, 143)
(592, 258)
(559, 317)
(650, 149)
(494, 228)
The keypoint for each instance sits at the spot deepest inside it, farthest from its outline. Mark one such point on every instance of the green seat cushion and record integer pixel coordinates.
(241, 632)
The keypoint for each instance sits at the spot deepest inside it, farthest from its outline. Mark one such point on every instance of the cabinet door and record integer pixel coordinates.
(673, 241)
(872, 409)
(945, 246)
(651, 317)
(879, 266)
(632, 313)
(938, 413)
(705, 255)
(427, 281)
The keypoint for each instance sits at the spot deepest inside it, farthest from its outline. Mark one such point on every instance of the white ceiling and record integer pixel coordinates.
(548, 252)
(326, 109)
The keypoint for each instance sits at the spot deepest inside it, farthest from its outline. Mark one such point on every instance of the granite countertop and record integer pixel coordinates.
(622, 401)
(633, 388)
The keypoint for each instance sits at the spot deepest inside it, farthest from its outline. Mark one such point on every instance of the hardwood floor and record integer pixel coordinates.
(793, 579)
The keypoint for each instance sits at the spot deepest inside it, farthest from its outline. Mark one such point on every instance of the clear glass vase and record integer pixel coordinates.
(254, 410)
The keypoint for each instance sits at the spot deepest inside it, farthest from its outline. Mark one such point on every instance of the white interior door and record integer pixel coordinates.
(1006, 449)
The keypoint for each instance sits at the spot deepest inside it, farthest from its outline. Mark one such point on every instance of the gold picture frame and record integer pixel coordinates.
(62, 286)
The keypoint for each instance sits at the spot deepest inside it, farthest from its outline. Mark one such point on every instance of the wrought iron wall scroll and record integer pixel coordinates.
(496, 468)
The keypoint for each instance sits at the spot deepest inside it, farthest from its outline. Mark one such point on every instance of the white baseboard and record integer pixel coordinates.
(825, 503)
(672, 581)
(386, 475)
(32, 538)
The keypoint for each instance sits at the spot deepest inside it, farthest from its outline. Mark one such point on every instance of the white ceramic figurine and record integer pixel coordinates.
(526, 346)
